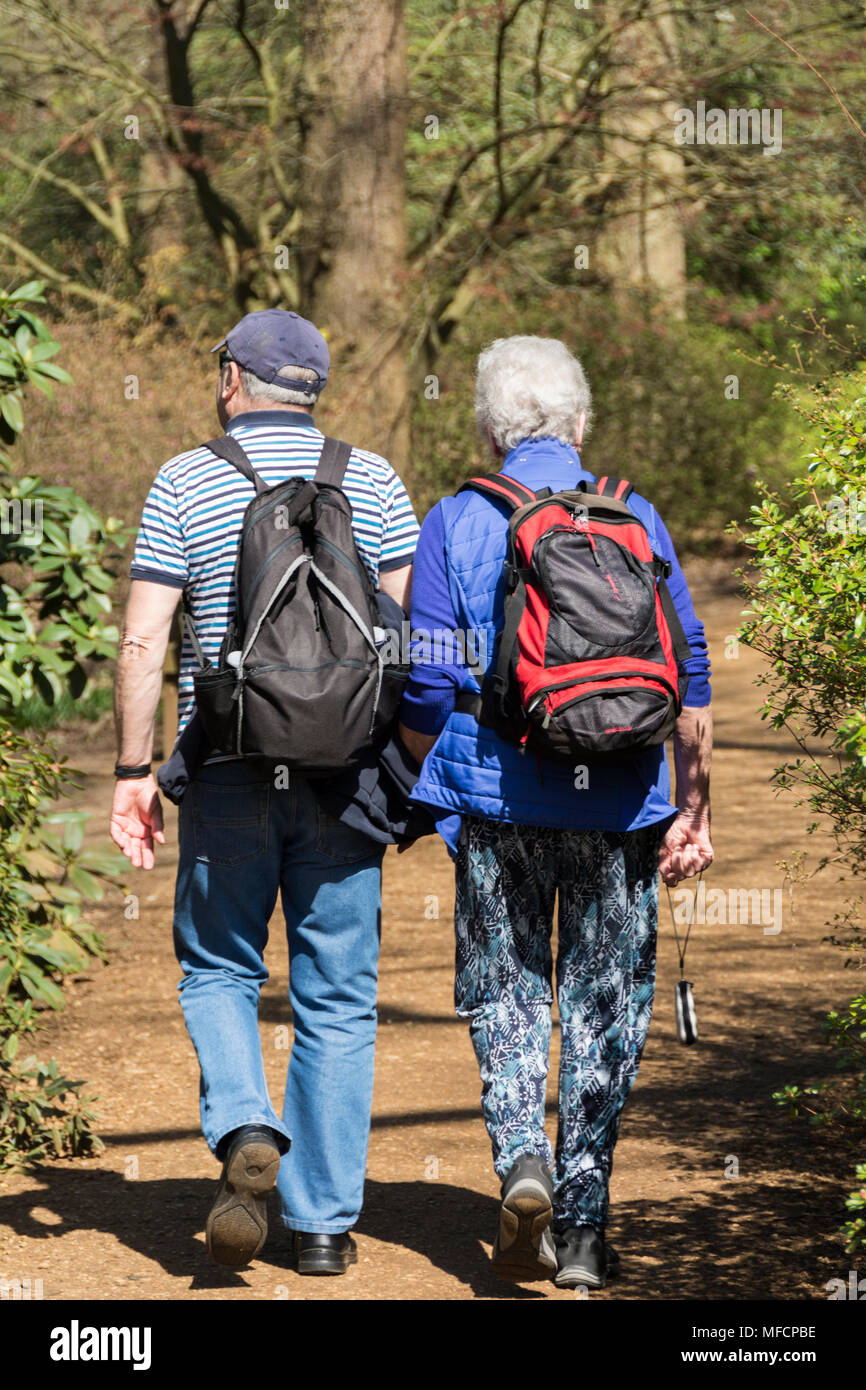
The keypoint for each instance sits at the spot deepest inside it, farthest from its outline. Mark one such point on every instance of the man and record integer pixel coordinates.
(523, 828)
(244, 838)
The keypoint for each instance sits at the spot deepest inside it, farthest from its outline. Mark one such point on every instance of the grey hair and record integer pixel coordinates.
(260, 390)
(528, 387)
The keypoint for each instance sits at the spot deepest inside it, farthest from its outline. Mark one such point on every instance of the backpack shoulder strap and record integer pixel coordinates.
(332, 462)
(501, 489)
(682, 649)
(229, 449)
(610, 486)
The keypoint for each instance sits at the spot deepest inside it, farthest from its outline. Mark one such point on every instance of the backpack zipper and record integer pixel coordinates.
(548, 713)
(546, 690)
(365, 632)
(239, 678)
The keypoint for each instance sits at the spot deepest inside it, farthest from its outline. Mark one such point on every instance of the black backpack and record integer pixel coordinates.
(301, 675)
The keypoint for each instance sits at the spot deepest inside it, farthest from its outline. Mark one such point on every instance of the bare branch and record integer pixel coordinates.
(65, 284)
(196, 14)
(832, 90)
(499, 61)
(115, 202)
(41, 172)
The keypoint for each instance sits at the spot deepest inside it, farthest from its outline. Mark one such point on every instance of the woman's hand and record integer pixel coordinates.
(686, 848)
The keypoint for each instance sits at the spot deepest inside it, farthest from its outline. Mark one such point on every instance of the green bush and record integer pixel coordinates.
(808, 617)
(55, 552)
(54, 585)
(37, 713)
(45, 877)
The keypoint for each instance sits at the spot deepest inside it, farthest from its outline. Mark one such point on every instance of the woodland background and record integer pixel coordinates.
(420, 179)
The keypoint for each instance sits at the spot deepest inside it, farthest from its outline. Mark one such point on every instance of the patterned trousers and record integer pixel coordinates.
(507, 880)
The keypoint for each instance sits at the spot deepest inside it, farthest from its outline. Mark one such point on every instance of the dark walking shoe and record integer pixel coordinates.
(582, 1257)
(524, 1249)
(324, 1253)
(238, 1224)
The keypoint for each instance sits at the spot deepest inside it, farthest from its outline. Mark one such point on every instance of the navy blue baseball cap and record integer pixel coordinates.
(269, 339)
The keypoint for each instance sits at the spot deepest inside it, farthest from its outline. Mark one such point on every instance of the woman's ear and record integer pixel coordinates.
(494, 447)
(581, 426)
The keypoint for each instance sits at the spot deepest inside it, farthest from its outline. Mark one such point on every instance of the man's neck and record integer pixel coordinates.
(288, 408)
(296, 418)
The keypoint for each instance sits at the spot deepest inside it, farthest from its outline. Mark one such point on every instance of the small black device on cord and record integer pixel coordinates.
(684, 1004)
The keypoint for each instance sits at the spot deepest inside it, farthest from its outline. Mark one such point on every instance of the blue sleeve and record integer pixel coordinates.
(159, 549)
(698, 665)
(436, 669)
(399, 527)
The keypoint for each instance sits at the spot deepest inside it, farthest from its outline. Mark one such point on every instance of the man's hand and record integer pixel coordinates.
(136, 819)
(136, 815)
(686, 847)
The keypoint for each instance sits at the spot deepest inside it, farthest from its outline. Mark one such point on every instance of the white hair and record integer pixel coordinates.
(260, 390)
(528, 387)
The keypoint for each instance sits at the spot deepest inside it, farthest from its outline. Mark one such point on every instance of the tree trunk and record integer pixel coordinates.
(353, 204)
(162, 184)
(642, 246)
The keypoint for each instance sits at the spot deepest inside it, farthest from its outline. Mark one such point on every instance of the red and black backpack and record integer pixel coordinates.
(586, 662)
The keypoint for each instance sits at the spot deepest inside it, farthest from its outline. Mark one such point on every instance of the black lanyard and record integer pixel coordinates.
(681, 948)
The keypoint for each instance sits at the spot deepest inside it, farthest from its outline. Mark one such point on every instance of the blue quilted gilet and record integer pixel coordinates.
(470, 770)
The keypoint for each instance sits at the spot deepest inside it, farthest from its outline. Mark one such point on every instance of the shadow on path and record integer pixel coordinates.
(161, 1219)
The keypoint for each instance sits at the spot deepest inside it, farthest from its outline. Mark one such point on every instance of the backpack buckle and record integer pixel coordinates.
(662, 566)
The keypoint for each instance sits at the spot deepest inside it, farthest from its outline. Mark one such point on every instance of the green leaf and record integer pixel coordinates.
(110, 863)
(56, 373)
(10, 409)
(79, 531)
(41, 384)
(89, 886)
(40, 352)
(52, 994)
(11, 686)
(34, 290)
(65, 893)
(58, 960)
(49, 684)
(73, 835)
(98, 578)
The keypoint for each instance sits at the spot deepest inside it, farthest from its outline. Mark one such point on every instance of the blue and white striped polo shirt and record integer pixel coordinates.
(192, 518)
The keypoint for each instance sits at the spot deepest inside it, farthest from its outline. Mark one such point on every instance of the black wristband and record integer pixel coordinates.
(123, 773)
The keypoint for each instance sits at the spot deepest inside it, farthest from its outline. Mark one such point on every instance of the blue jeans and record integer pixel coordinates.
(244, 837)
(507, 882)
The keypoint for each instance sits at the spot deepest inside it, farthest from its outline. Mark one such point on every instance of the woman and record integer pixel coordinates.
(523, 829)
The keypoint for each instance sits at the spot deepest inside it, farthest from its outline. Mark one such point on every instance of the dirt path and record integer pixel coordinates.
(129, 1224)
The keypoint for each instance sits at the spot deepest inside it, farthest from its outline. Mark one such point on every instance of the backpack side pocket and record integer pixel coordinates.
(215, 690)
